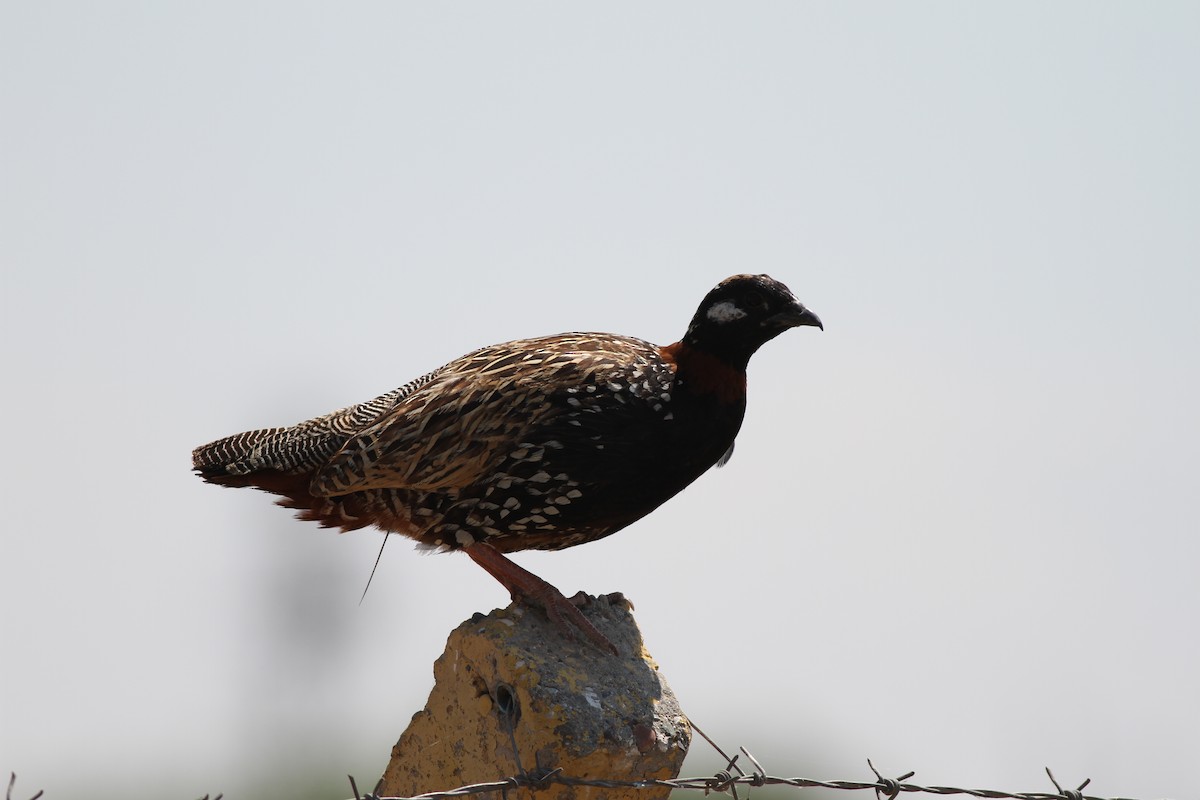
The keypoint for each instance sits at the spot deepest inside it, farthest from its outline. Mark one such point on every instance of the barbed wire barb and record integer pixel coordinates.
(759, 773)
(724, 778)
(1070, 794)
(889, 788)
(12, 781)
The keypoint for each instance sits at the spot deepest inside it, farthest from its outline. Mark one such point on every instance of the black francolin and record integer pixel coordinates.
(534, 444)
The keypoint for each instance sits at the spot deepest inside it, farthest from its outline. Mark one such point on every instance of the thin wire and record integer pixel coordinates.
(386, 534)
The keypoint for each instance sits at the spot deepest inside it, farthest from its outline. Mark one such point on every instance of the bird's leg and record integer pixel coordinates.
(524, 586)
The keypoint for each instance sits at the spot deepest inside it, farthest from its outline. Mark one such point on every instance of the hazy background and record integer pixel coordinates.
(959, 534)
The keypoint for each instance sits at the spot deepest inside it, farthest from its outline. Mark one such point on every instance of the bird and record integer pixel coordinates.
(534, 444)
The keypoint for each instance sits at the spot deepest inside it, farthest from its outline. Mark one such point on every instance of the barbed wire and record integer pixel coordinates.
(729, 779)
(12, 781)
(724, 781)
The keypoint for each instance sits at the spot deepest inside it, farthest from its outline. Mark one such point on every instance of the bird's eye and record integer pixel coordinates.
(753, 300)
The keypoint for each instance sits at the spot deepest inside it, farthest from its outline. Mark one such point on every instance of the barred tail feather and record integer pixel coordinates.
(232, 456)
(266, 459)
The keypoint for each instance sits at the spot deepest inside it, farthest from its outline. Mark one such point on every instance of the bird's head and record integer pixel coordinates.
(741, 314)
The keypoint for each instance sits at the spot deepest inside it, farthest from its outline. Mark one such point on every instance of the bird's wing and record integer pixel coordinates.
(450, 431)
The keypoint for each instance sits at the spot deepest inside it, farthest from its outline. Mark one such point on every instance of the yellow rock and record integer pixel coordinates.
(511, 678)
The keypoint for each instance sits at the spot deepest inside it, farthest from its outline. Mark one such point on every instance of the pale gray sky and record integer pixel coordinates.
(959, 534)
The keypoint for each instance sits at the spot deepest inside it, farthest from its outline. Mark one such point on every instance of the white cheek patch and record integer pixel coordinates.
(725, 311)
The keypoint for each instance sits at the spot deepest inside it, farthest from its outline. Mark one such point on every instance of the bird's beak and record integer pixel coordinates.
(793, 317)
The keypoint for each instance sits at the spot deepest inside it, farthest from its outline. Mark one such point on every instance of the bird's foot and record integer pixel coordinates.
(565, 614)
(525, 587)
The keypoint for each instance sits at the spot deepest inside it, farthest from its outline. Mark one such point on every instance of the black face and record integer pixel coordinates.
(742, 313)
